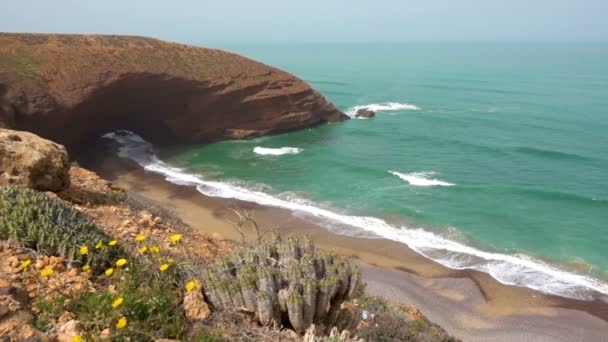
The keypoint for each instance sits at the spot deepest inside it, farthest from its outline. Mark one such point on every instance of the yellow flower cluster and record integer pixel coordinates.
(140, 238)
(122, 322)
(24, 264)
(84, 250)
(47, 272)
(175, 238)
(190, 286)
(163, 267)
(121, 262)
(117, 302)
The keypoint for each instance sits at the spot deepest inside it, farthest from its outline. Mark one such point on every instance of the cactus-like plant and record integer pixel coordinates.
(51, 227)
(284, 282)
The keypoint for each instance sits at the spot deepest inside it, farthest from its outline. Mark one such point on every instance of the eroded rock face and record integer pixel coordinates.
(27, 159)
(70, 88)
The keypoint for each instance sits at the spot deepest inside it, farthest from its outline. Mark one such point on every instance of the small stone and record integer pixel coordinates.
(66, 331)
(195, 307)
(105, 334)
(3, 311)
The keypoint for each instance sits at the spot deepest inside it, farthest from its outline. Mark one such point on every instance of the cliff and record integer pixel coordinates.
(70, 88)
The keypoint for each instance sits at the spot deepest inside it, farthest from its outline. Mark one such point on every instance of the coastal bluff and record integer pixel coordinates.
(72, 88)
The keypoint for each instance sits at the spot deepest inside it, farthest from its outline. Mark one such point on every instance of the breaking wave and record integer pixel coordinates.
(379, 107)
(420, 179)
(517, 269)
(276, 151)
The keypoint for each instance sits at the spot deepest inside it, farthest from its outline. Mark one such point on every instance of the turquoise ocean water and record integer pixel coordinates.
(490, 157)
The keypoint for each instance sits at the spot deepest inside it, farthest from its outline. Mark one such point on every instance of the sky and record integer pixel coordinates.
(316, 21)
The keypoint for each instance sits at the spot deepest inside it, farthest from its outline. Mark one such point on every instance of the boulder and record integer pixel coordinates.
(29, 160)
(365, 113)
(195, 307)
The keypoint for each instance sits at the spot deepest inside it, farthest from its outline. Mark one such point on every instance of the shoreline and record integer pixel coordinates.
(470, 305)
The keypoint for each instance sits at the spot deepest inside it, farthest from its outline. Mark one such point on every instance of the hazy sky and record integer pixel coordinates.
(278, 21)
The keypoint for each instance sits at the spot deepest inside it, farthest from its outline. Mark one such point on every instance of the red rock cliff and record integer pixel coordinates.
(70, 88)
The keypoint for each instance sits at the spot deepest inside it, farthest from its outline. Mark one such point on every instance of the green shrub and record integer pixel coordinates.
(151, 303)
(391, 324)
(51, 227)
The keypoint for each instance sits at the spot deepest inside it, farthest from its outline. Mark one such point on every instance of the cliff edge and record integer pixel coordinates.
(71, 88)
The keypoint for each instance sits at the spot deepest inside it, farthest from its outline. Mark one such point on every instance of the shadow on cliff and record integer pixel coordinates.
(162, 110)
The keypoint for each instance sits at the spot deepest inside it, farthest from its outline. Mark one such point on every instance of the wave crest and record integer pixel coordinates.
(420, 179)
(518, 270)
(379, 107)
(276, 151)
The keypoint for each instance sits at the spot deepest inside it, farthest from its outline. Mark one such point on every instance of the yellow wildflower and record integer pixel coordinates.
(112, 243)
(117, 302)
(140, 238)
(121, 262)
(191, 285)
(143, 250)
(25, 264)
(170, 260)
(122, 322)
(47, 272)
(163, 267)
(84, 250)
(99, 245)
(154, 249)
(77, 338)
(86, 268)
(109, 271)
(175, 238)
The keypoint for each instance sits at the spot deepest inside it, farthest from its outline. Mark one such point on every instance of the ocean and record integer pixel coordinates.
(491, 157)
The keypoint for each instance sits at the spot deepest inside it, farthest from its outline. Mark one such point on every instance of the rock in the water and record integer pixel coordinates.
(365, 113)
(27, 159)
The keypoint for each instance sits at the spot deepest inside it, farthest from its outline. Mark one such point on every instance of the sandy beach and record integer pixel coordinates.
(468, 304)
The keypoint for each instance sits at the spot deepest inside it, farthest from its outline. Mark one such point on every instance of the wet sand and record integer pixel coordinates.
(470, 305)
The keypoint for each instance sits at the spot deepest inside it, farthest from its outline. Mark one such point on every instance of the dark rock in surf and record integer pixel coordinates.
(365, 113)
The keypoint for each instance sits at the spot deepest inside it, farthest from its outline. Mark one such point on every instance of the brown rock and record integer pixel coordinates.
(29, 160)
(176, 93)
(195, 307)
(105, 334)
(365, 113)
(66, 331)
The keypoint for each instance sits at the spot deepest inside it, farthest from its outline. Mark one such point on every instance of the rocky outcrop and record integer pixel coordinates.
(70, 88)
(365, 113)
(27, 159)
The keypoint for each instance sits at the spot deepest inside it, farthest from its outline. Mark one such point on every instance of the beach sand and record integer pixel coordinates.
(468, 304)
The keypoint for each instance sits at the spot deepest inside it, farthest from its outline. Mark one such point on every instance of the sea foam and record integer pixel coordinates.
(420, 179)
(276, 151)
(517, 269)
(379, 107)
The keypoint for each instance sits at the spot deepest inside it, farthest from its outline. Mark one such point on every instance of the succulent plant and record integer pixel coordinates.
(51, 227)
(285, 282)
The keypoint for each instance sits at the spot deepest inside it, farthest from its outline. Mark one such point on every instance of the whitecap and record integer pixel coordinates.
(518, 269)
(276, 151)
(379, 107)
(420, 179)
